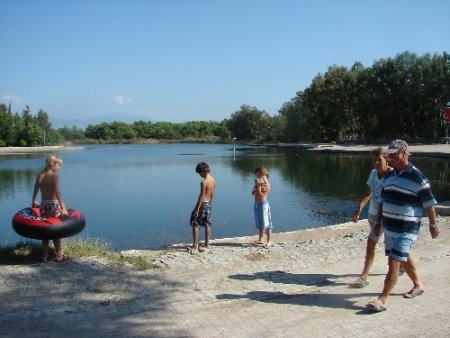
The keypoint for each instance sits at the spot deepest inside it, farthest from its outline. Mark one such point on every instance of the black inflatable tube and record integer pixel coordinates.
(27, 224)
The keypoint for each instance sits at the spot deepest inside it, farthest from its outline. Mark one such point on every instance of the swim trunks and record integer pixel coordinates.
(263, 216)
(50, 208)
(204, 216)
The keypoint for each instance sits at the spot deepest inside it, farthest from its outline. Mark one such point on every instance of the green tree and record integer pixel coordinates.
(72, 134)
(122, 131)
(395, 97)
(28, 132)
(6, 126)
(42, 120)
(99, 132)
(143, 129)
(221, 130)
(249, 123)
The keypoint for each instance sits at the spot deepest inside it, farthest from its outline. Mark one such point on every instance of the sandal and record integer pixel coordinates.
(60, 259)
(413, 293)
(376, 306)
(193, 251)
(360, 283)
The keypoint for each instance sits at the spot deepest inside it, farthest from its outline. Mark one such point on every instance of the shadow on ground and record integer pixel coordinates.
(279, 276)
(83, 298)
(316, 298)
(314, 295)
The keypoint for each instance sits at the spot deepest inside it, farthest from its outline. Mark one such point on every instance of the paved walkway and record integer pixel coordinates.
(418, 150)
(297, 288)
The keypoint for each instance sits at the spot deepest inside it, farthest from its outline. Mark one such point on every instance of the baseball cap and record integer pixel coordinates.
(396, 146)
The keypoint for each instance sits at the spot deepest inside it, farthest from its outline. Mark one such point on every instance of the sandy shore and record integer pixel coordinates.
(297, 288)
(426, 150)
(434, 150)
(31, 150)
(27, 150)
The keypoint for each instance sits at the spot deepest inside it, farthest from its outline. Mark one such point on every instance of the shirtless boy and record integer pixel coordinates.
(52, 203)
(201, 215)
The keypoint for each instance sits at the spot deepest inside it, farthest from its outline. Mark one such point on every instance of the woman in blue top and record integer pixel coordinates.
(374, 183)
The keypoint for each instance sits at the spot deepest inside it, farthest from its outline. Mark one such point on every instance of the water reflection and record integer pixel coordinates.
(336, 175)
(342, 176)
(14, 181)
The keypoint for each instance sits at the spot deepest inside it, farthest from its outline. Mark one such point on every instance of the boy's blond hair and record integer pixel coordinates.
(263, 170)
(53, 160)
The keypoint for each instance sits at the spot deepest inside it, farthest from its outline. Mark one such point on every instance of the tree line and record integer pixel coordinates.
(395, 97)
(401, 96)
(26, 129)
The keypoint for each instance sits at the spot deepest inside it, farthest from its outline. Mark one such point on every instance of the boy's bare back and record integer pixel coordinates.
(207, 187)
(47, 182)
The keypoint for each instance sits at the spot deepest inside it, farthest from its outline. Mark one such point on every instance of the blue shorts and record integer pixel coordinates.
(204, 216)
(397, 248)
(263, 217)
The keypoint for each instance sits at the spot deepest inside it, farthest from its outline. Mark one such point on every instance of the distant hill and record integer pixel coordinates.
(83, 123)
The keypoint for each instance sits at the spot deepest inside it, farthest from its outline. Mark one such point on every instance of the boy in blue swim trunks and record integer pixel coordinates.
(201, 215)
(263, 217)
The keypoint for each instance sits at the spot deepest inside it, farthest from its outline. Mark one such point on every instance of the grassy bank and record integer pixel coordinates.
(28, 252)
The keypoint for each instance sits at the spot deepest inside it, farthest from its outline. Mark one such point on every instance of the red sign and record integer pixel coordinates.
(446, 114)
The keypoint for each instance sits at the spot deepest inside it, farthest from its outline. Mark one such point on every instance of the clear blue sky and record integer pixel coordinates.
(182, 60)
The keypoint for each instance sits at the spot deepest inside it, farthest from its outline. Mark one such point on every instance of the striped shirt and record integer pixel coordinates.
(405, 195)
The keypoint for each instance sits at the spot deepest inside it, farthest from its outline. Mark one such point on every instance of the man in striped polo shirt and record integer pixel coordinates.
(405, 195)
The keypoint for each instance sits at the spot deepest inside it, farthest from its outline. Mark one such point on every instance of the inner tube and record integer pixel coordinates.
(29, 223)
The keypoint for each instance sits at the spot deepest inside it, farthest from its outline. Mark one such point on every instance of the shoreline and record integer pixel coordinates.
(327, 233)
(422, 150)
(425, 150)
(32, 150)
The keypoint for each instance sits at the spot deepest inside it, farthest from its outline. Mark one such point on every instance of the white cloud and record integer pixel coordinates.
(119, 99)
(12, 98)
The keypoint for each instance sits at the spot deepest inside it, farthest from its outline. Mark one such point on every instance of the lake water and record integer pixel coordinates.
(141, 196)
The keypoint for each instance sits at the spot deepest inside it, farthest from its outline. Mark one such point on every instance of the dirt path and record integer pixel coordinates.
(297, 288)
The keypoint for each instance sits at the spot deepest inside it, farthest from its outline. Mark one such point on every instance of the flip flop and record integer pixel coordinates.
(193, 251)
(413, 293)
(375, 306)
(360, 283)
(60, 260)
